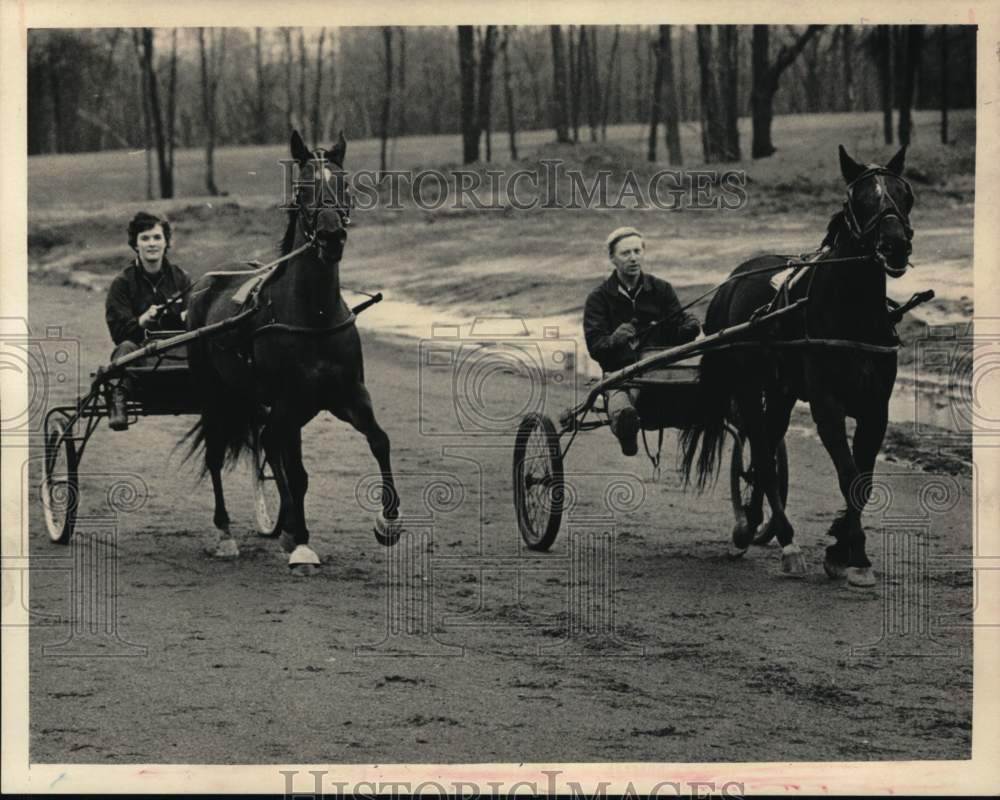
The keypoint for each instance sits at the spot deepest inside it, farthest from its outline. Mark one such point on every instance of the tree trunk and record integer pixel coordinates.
(166, 175)
(670, 108)
(386, 97)
(289, 68)
(317, 119)
(588, 43)
(172, 103)
(207, 53)
(914, 44)
(728, 91)
(884, 43)
(574, 84)
(487, 57)
(401, 86)
(765, 79)
(606, 94)
(943, 33)
(561, 119)
(260, 102)
(847, 59)
(467, 74)
(508, 92)
(147, 141)
(711, 122)
(654, 107)
(303, 99)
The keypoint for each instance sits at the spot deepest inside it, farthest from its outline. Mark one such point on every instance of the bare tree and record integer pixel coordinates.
(589, 90)
(574, 84)
(212, 55)
(670, 107)
(882, 44)
(654, 112)
(561, 120)
(508, 91)
(317, 119)
(487, 56)
(943, 34)
(467, 77)
(847, 60)
(303, 101)
(766, 75)
(912, 54)
(712, 134)
(290, 121)
(606, 94)
(260, 87)
(401, 97)
(146, 112)
(728, 91)
(387, 96)
(164, 160)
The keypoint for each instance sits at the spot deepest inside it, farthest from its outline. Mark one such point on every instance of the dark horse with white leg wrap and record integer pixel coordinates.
(838, 353)
(299, 354)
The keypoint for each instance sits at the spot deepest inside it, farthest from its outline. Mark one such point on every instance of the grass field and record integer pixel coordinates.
(806, 150)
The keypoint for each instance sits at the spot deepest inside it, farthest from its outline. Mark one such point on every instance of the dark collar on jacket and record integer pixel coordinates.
(612, 283)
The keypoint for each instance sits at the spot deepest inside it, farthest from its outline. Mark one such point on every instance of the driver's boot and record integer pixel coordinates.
(117, 417)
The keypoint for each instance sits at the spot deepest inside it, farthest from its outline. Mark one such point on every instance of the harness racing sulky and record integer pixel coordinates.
(780, 329)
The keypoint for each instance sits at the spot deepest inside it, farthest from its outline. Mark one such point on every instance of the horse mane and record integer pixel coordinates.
(285, 246)
(836, 227)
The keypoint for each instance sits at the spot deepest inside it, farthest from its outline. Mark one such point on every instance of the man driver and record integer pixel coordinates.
(138, 299)
(621, 310)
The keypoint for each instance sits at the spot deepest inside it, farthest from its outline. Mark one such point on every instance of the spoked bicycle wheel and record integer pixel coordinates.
(538, 481)
(741, 483)
(60, 483)
(267, 498)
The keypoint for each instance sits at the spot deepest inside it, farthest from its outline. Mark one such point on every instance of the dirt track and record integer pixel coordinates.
(683, 656)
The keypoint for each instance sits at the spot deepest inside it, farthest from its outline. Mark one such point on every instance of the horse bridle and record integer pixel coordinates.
(342, 207)
(887, 208)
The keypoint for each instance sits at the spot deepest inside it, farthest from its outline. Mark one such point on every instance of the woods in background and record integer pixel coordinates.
(166, 88)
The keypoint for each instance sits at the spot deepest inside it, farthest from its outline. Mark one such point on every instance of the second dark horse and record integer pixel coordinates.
(847, 370)
(297, 355)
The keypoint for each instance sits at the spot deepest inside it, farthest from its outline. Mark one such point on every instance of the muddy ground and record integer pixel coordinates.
(636, 638)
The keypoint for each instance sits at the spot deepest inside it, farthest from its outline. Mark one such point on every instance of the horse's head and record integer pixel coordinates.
(323, 199)
(877, 210)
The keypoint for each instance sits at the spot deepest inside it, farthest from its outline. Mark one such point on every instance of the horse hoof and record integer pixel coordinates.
(861, 577)
(303, 561)
(793, 565)
(287, 541)
(227, 549)
(742, 536)
(736, 552)
(834, 570)
(387, 531)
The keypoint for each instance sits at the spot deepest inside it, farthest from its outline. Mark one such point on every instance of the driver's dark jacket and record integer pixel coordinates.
(133, 291)
(608, 306)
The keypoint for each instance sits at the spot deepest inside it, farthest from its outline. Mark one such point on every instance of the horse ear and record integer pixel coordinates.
(339, 150)
(849, 168)
(895, 166)
(300, 152)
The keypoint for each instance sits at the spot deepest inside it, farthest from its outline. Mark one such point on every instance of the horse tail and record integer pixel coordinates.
(233, 425)
(709, 432)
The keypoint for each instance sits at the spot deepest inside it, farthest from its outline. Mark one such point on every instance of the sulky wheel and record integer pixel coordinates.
(60, 484)
(741, 482)
(267, 498)
(538, 481)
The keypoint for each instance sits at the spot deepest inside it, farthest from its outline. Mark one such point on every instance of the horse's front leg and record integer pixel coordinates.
(285, 457)
(357, 410)
(847, 555)
(868, 436)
